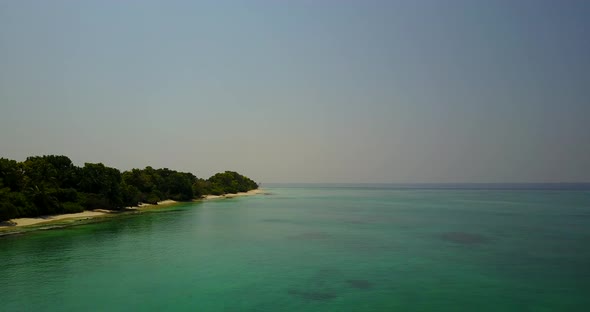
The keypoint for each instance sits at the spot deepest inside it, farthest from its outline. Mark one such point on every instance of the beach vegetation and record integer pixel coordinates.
(52, 184)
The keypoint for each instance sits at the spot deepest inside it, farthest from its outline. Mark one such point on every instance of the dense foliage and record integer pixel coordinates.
(43, 185)
(229, 182)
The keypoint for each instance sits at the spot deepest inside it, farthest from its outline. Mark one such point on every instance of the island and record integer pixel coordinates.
(53, 185)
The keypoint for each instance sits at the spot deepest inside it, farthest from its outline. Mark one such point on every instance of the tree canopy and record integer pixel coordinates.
(52, 184)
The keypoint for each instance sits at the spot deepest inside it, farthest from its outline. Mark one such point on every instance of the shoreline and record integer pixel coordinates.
(19, 223)
(249, 193)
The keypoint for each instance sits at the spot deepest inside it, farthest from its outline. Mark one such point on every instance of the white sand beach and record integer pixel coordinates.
(249, 193)
(75, 216)
(160, 203)
(101, 212)
(43, 219)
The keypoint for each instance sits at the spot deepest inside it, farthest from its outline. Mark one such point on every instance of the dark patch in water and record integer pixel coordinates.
(310, 235)
(274, 220)
(505, 213)
(312, 295)
(359, 284)
(320, 286)
(357, 222)
(286, 221)
(324, 278)
(373, 220)
(464, 238)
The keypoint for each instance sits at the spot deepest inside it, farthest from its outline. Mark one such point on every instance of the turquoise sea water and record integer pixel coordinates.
(316, 249)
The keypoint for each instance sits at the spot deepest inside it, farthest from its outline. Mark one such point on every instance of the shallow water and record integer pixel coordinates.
(316, 249)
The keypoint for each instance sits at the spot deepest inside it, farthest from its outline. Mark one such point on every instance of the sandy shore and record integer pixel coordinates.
(160, 203)
(74, 216)
(31, 221)
(101, 212)
(249, 193)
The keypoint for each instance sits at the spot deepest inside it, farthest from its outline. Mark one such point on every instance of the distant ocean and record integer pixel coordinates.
(377, 247)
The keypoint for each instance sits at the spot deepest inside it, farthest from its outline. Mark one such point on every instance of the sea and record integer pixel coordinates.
(301, 247)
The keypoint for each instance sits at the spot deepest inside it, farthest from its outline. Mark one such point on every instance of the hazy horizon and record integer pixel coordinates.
(307, 92)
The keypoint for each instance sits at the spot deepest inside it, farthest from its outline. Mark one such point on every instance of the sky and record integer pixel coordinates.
(303, 91)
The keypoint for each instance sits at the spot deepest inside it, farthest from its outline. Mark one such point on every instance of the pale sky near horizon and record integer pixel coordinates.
(303, 91)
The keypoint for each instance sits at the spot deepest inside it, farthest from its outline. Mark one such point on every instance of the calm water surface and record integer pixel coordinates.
(316, 249)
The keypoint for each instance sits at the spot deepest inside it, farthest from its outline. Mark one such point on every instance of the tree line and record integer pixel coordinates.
(52, 184)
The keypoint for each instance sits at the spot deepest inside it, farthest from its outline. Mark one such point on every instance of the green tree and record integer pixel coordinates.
(53, 184)
(12, 174)
(102, 186)
(7, 208)
(230, 182)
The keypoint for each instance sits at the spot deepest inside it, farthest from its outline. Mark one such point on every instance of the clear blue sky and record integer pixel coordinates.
(303, 91)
